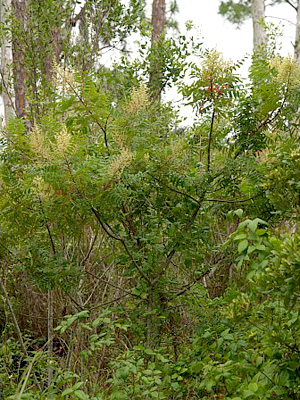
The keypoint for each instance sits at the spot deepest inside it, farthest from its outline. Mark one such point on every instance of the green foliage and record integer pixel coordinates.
(214, 83)
(165, 282)
(282, 174)
(235, 11)
(247, 341)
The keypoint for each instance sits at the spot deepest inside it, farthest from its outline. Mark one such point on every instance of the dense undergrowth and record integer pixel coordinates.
(140, 260)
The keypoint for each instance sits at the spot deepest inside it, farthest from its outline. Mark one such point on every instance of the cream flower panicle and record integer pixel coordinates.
(38, 144)
(287, 70)
(63, 78)
(117, 166)
(139, 100)
(63, 141)
(41, 188)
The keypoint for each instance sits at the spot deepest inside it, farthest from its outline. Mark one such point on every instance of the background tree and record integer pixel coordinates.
(158, 23)
(19, 16)
(50, 28)
(238, 11)
(6, 63)
(297, 38)
(258, 20)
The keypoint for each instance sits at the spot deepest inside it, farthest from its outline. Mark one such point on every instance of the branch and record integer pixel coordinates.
(118, 238)
(5, 86)
(210, 138)
(79, 307)
(108, 302)
(107, 228)
(175, 190)
(90, 250)
(104, 227)
(187, 228)
(113, 285)
(47, 227)
(272, 118)
(188, 286)
(291, 4)
(105, 133)
(268, 120)
(229, 201)
(173, 251)
(281, 19)
(79, 16)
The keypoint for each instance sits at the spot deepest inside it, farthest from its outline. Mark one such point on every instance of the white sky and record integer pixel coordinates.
(217, 32)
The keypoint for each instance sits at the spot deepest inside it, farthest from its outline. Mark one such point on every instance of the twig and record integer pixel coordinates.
(47, 227)
(121, 240)
(188, 287)
(109, 302)
(175, 190)
(282, 19)
(113, 285)
(291, 4)
(90, 250)
(16, 326)
(229, 201)
(174, 250)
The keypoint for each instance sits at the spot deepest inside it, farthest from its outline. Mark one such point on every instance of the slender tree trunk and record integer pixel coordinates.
(53, 55)
(258, 18)
(210, 139)
(158, 19)
(158, 26)
(18, 51)
(149, 321)
(50, 337)
(6, 63)
(297, 38)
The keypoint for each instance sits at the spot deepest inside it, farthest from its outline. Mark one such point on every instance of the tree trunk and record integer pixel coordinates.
(158, 19)
(258, 18)
(6, 63)
(18, 52)
(297, 38)
(53, 55)
(50, 338)
(158, 26)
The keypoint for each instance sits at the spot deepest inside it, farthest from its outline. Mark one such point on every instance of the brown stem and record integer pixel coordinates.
(50, 335)
(200, 153)
(149, 320)
(210, 139)
(16, 326)
(50, 306)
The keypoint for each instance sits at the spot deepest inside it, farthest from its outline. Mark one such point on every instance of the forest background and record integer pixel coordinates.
(140, 257)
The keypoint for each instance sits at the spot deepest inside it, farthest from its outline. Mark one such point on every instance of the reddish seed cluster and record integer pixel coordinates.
(217, 89)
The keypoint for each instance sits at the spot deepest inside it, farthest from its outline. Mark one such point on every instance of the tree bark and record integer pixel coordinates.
(18, 52)
(158, 26)
(6, 63)
(158, 19)
(258, 18)
(297, 38)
